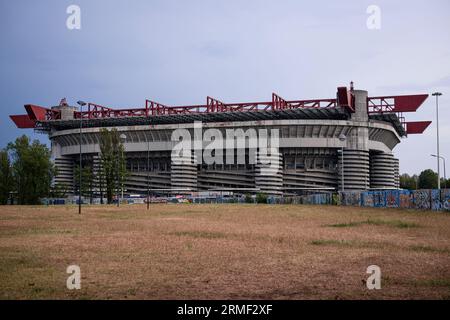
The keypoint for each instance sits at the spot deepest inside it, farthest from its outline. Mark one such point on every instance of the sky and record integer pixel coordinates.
(179, 52)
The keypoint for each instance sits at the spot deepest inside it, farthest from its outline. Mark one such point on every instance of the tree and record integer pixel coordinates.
(408, 182)
(59, 190)
(427, 179)
(5, 177)
(445, 183)
(261, 198)
(87, 180)
(32, 170)
(112, 159)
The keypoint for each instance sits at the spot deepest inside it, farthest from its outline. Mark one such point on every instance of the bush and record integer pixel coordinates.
(248, 198)
(335, 199)
(261, 198)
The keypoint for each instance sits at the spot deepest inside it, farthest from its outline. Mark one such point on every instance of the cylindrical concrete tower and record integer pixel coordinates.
(356, 151)
(382, 167)
(183, 174)
(269, 173)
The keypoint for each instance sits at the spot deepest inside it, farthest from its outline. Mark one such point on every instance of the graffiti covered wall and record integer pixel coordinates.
(406, 199)
(415, 199)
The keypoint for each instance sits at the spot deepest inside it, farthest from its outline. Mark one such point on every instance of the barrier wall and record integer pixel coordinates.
(321, 198)
(414, 199)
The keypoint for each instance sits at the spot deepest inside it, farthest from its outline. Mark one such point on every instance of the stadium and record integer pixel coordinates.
(343, 143)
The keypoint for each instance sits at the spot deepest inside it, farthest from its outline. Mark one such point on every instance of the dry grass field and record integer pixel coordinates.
(193, 251)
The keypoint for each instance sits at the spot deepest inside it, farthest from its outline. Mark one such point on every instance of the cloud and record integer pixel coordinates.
(179, 52)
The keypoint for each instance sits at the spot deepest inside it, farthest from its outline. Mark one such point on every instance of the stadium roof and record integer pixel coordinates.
(317, 114)
(385, 108)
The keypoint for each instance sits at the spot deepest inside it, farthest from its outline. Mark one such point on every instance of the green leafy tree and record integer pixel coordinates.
(445, 183)
(59, 190)
(427, 179)
(5, 177)
(87, 180)
(112, 159)
(408, 182)
(261, 198)
(32, 170)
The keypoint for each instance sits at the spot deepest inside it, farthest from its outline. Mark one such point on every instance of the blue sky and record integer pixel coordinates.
(178, 52)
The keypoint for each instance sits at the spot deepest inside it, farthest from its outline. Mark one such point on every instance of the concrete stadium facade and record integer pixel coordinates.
(309, 155)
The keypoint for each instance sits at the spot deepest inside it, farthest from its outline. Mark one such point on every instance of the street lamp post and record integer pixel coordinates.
(437, 94)
(81, 104)
(342, 138)
(445, 174)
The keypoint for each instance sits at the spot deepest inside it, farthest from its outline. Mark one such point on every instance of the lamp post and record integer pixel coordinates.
(445, 174)
(437, 94)
(122, 138)
(81, 104)
(342, 138)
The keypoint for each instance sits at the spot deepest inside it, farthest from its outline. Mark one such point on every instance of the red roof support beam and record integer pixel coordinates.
(214, 105)
(154, 108)
(36, 113)
(345, 99)
(320, 103)
(416, 127)
(279, 103)
(407, 103)
(96, 111)
(23, 121)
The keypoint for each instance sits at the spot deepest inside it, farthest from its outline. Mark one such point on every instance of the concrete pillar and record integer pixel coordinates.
(183, 174)
(396, 173)
(67, 112)
(356, 150)
(358, 138)
(382, 171)
(356, 170)
(97, 171)
(64, 176)
(269, 173)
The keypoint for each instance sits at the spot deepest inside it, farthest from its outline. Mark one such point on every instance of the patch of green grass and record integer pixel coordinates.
(348, 243)
(35, 231)
(327, 242)
(392, 223)
(421, 248)
(345, 224)
(201, 234)
(321, 242)
(377, 222)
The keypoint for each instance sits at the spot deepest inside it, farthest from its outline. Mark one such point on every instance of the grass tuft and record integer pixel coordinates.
(422, 248)
(200, 234)
(326, 242)
(345, 225)
(392, 223)
(349, 243)
(377, 222)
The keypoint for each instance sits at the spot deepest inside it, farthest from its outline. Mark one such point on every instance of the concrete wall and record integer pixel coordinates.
(431, 199)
